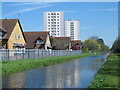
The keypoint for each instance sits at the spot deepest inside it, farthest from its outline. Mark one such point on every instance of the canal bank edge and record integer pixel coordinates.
(10, 67)
(107, 76)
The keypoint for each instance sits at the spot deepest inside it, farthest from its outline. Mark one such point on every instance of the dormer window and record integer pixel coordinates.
(39, 41)
(2, 35)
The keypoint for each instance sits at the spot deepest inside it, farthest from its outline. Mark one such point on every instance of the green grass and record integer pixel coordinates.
(107, 75)
(9, 67)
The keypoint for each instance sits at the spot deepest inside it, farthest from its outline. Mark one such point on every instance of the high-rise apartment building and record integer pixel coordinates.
(54, 23)
(72, 29)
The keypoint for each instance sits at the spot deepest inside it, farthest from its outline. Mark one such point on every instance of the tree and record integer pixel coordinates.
(103, 46)
(107, 48)
(85, 49)
(116, 46)
(52, 40)
(101, 42)
(92, 45)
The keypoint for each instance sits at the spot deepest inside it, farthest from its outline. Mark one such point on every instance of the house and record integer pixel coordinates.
(11, 34)
(37, 40)
(62, 43)
(76, 45)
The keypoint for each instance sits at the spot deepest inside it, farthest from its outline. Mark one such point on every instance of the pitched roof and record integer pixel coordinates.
(63, 38)
(2, 30)
(62, 42)
(74, 42)
(31, 37)
(8, 25)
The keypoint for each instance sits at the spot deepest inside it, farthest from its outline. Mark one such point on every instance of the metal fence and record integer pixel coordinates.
(7, 54)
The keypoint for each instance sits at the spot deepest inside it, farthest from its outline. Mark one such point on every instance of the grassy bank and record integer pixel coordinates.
(107, 76)
(9, 67)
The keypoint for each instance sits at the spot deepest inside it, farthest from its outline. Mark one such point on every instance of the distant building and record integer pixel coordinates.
(72, 29)
(37, 40)
(62, 43)
(54, 23)
(11, 34)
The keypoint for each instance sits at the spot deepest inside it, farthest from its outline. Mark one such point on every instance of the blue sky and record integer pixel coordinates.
(96, 18)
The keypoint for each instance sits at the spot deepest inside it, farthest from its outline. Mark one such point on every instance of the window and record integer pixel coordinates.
(57, 22)
(48, 16)
(15, 36)
(39, 42)
(57, 16)
(18, 36)
(2, 35)
(48, 22)
(48, 13)
(57, 13)
(48, 19)
(71, 22)
(57, 19)
(51, 13)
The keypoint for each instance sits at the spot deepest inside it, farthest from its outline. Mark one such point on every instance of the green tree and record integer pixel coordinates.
(92, 45)
(107, 48)
(101, 42)
(116, 46)
(52, 40)
(85, 49)
(103, 46)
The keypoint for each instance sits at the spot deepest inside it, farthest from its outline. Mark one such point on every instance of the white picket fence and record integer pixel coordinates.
(7, 54)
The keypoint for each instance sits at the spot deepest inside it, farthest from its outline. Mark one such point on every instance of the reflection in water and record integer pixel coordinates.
(74, 74)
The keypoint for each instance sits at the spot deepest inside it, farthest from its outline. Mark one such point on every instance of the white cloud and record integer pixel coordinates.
(29, 9)
(26, 3)
(107, 9)
(87, 27)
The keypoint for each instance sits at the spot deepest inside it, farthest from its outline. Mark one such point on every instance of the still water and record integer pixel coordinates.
(73, 74)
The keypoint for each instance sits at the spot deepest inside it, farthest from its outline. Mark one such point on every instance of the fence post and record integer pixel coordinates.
(23, 53)
(42, 53)
(34, 53)
(8, 54)
(28, 53)
(38, 53)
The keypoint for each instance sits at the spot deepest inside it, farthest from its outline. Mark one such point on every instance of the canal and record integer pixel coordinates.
(73, 74)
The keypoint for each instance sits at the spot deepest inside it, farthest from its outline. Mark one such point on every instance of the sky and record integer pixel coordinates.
(96, 18)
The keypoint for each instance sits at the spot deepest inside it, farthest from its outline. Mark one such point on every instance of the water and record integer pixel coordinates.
(74, 74)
